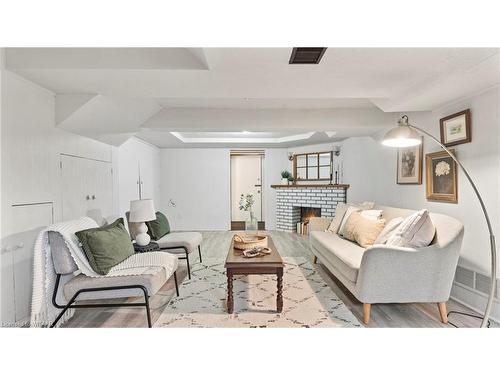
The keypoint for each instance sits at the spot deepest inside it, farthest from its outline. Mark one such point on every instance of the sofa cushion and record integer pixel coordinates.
(159, 227)
(106, 246)
(190, 240)
(362, 230)
(344, 255)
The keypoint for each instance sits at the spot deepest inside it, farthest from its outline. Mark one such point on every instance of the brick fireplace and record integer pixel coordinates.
(291, 199)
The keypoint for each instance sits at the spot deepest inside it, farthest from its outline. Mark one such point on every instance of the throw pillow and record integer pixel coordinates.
(388, 230)
(417, 230)
(341, 217)
(159, 227)
(362, 230)
(372, 214)
(339, 214)
(106, 246)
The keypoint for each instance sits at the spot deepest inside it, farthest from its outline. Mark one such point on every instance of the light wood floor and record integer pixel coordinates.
(215, 245)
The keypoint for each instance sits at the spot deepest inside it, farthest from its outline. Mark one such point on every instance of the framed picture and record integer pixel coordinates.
(441, 177)
(455, 129)
(409, 167)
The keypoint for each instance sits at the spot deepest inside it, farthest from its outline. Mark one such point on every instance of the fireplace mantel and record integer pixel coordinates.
(301, 186)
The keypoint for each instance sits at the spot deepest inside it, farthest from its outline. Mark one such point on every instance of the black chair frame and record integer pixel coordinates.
(184, 257)
(73, 305)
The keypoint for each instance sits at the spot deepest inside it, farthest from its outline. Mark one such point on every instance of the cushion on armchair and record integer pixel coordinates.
(106, 246)
(159, 227)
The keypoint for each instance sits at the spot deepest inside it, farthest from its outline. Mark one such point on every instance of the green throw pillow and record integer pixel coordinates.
(106, 246)
(159, 227)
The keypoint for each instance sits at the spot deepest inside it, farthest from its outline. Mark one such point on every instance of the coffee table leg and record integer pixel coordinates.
(230, 302)
(279, 297)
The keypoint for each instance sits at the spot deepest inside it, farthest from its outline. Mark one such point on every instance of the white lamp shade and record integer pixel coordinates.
(401, 136)
(142, 210)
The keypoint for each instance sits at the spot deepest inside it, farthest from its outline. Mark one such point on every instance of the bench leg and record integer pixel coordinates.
(187, 262)
(176, 285)
(442, 312)
(146, 301)
(366, 312)
(199, 252)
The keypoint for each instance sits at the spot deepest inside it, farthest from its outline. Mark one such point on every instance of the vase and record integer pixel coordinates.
(251, 224)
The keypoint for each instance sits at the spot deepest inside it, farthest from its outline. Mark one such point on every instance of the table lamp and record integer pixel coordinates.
(142, 210)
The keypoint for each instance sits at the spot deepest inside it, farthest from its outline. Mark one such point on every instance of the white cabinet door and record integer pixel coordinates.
(102, 194)
(87, 188)
(75, 185)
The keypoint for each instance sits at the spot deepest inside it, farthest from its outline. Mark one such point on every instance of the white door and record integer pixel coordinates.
(246, 178)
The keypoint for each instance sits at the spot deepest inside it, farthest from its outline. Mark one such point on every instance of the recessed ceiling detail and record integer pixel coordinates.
(248, 138)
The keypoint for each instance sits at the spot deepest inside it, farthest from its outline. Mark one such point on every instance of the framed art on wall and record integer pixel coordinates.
(409, 165)
(441, 177)
(455, 128)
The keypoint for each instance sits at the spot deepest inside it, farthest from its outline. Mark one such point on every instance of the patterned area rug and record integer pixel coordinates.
(307, 300)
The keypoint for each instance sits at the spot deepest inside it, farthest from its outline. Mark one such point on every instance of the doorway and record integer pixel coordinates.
(246, 178)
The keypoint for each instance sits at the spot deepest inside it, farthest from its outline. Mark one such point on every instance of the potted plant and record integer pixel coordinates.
(285, 175)
(246, 203)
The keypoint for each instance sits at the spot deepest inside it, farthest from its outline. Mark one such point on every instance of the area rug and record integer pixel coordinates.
(307, 300)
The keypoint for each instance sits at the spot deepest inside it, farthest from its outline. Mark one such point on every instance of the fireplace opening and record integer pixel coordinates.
(306, 213)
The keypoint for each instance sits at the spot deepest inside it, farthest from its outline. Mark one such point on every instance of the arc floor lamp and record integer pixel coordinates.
(406, 135)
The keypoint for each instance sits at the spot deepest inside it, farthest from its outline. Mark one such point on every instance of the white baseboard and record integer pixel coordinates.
(474, 300)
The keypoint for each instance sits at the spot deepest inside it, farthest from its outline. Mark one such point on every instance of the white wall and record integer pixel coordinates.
(133, 155)
(198, 181)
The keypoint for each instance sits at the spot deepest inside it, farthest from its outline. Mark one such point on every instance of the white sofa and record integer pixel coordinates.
(385, 274)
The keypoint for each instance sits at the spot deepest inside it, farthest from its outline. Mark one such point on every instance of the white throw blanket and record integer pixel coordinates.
(44, 276)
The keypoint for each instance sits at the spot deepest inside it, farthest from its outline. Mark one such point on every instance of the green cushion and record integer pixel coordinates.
(159, 227)
(106, 246)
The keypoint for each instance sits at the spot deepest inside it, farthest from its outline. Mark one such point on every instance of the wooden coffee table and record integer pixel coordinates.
(237, 264)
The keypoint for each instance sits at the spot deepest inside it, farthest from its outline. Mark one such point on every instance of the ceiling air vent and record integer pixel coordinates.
(307, 55)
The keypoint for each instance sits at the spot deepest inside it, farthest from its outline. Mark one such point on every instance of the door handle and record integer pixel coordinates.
(257, 185)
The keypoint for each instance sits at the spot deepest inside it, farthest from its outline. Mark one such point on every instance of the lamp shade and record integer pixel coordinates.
(142, 210)
(402, 136)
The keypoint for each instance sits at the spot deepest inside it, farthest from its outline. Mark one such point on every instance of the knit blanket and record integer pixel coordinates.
(44, 276)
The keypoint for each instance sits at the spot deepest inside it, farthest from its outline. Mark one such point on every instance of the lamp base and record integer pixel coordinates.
(142, 238)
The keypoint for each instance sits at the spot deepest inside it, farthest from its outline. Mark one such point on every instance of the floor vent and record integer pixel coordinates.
(307, 55)
(474, 280)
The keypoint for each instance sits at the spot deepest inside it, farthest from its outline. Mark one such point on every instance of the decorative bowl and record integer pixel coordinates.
(245, 242)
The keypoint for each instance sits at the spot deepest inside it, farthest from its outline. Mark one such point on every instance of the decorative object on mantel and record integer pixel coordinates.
(291, 180)
(249, 242)
(409, 165)
(246, 203)
(406, 135)
(455, 128)
(285, 175)
(441, 177)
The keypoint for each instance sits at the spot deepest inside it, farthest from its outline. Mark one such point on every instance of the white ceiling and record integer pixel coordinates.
(113, 93)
